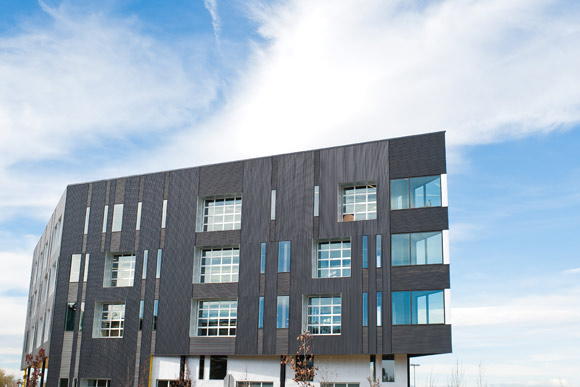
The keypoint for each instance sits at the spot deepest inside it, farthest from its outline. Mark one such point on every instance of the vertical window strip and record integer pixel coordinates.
(86, 273)
(379, 309)
(155, 313)
(105, 216)
(81, 315)
(141, 313)
(117, 218)
(283, 256)
(263, 257)
(158, 270)
(87, 215)
(75, 267)
(282, 311)
(138, 224)
(379, 251)
(145, 258)
(273, 205)
(261, 312)
(365, 252)
(365, 309)
(316, 200)
(164, 214)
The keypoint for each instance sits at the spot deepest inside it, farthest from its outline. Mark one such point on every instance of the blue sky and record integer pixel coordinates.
(92, 90)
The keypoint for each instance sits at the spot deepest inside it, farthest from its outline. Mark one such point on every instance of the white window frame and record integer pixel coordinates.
(311, 313)
(356, 202)
(104, 317)
(209, 306)
(119, 270)
(225, 268)
(324, 251)
(219, 213)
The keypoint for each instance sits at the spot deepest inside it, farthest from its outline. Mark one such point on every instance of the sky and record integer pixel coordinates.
(92, 90)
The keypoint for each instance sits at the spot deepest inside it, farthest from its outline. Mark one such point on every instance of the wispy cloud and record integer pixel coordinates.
(212, 8)
(573, 271)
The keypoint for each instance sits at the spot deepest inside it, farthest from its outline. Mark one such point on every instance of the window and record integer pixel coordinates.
(201, 367)
(421, 248)
(75, 268)
(283, 256)
(110, 320)
(379, 309)
(87, 214)
(418, 307)
(218, 367)
(261, 313)
(141, 313)
(379, 250)
(63, 382)
(254, 384)
(81, 315)
(119, 270)
(155, 313)
(365, 252)
(117, 218)
(69, 325)
(359, 202)
(86, 273)
(388, 368)
(98, 383)
(282, 311)
(164, 214)
(333, 259)
(339, 384)
(217, 318)
(105, 216)
(138, 222)
(222, 214)
(158, 268)
(262, 257)
(365, 309)
(324, 314)
(273, 205)
(219, 265)
(316, 200)
(145, 258)
(416, 192)
(167, 383)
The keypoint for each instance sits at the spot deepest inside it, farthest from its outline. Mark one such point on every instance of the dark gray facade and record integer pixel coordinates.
(294, 177)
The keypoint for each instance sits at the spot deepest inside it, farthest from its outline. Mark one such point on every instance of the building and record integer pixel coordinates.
(214, 271)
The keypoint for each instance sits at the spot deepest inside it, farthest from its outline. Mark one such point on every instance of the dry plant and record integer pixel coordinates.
(302, 363)
(457, 378)
(35, 363)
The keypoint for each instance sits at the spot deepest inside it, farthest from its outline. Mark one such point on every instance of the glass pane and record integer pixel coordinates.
(400, 249)
(426, 248)
(401, 308)
(436, 309)
(399, 194)
(425, 191)
(388, 368)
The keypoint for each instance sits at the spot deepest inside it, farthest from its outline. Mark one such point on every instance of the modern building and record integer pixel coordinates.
(212, 272)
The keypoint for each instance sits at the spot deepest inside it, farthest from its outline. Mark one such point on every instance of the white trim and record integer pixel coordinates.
(444, 200)
(447, 297)
(445, 235)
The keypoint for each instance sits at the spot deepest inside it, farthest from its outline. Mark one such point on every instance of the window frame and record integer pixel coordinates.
(407, 194)
(98, 328)
(310, 315)
(198, 310)
(207, 218)
(115, 270)
(205, 271)
(354, 215)
(413, 310)
(342, 268)
(408, 254)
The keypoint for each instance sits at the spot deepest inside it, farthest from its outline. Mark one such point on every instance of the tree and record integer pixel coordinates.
(35, 363)
(7, 380)
(457, 378)
(303, 363)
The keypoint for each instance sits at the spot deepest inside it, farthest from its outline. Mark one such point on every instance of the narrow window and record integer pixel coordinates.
(145, 258)
(316, 199)
(87, 214)
(138, 224)
(105, 216)
(218, 367)
(261, 313)
(401, 308)
(201, 367)
(155, 313)
(283, 307)
(388, 368)
(71, 308)
(365, 252)
(117, 218)
(141, 313)
(81, 316)
(75, 268)
(63, 383)
(86, 273)
(273, 205)
(158, 270)
(283, 256)
(164, 214)
(263, 257)
(379, 252)
(379, 309)
(365, 309)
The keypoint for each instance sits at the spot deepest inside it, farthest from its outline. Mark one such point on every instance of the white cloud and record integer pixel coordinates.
(572, 271)
(212, 8)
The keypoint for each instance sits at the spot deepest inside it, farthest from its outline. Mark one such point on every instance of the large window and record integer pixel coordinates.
(421, 248)
(388, 368)
(217, 318)
(119, 270)
(110, 319)
(333, 259)
(416, 192)
(324, 315)
(359, 202)
(418, 307)
(98, 383)
(222, 214)
(218, 367)
(219, 265)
